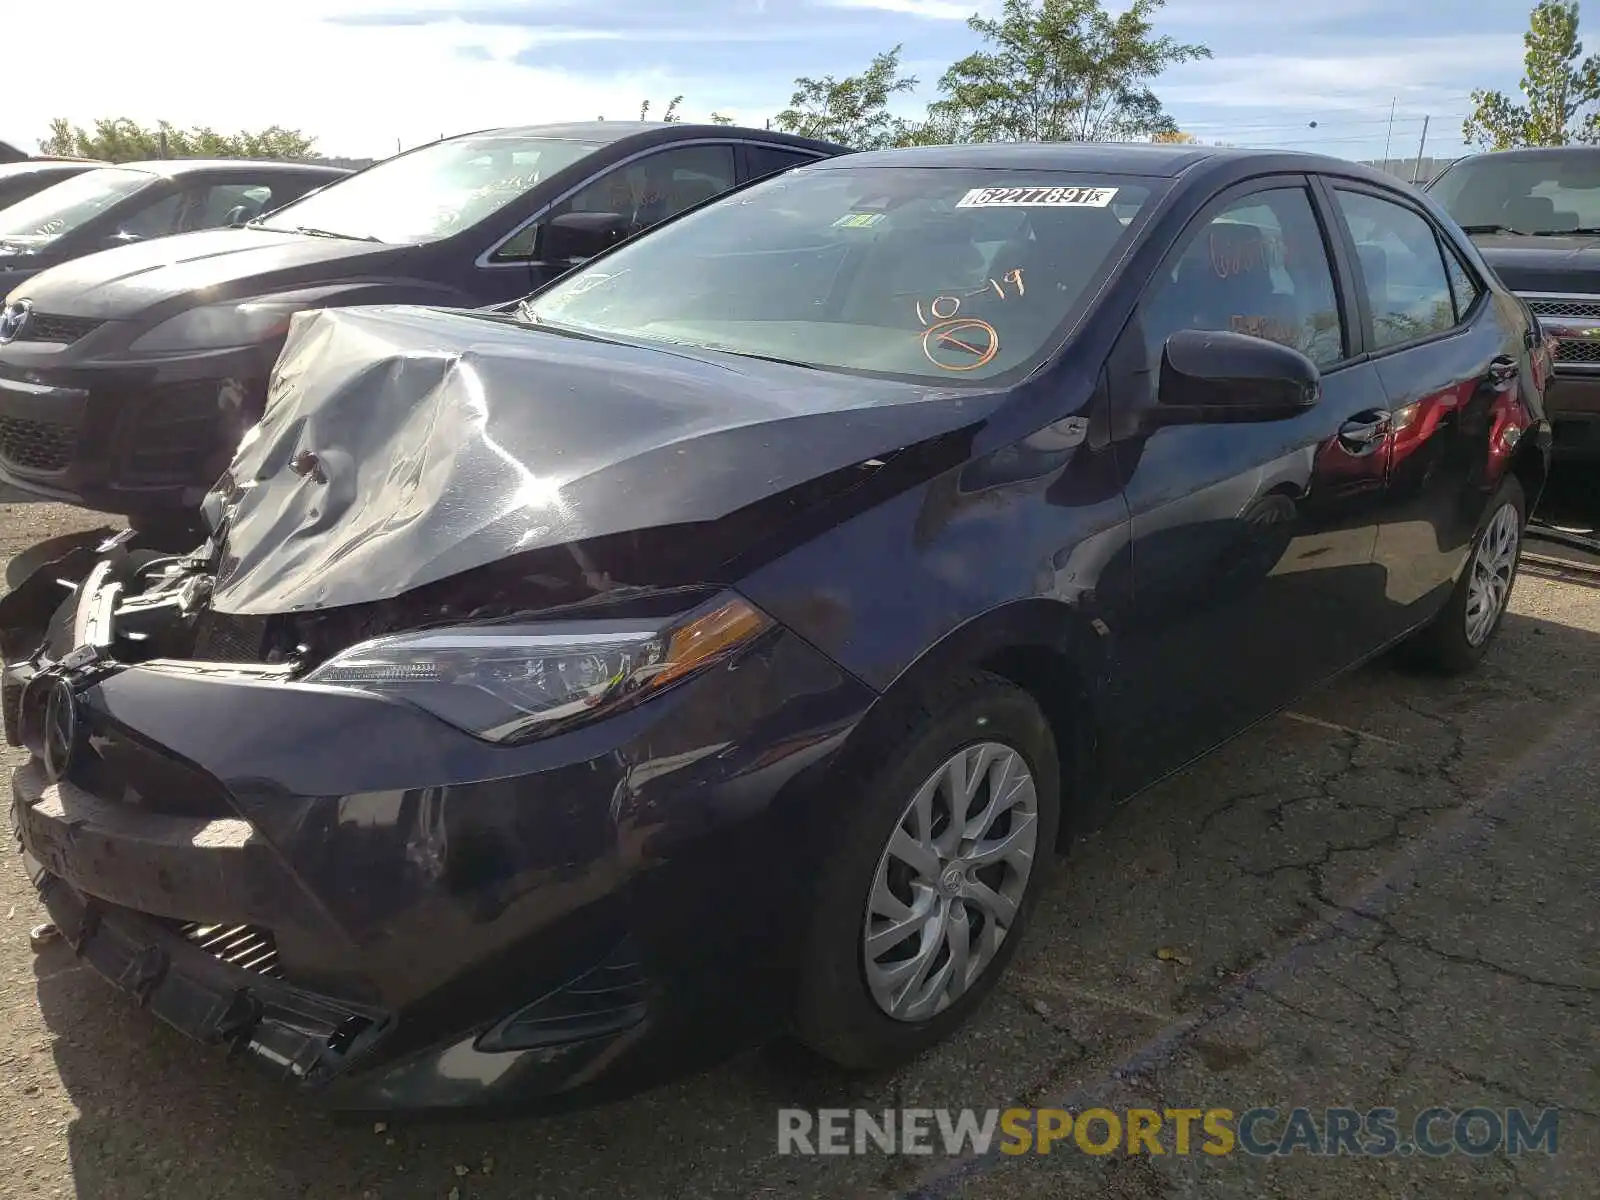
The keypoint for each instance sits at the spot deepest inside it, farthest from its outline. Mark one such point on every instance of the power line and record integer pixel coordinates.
(1220, 128)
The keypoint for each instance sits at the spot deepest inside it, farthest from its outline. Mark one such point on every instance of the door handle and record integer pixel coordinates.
(1364, 432)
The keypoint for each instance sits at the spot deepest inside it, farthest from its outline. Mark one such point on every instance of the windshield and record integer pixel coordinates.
(433, 192)
(947, 274)
(65, 206)
(1533, 194)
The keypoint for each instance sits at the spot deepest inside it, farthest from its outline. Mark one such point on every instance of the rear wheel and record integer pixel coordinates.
(923, 902)
(1458, 637)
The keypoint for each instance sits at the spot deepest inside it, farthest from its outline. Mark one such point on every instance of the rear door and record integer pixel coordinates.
(1252, 569)
(1448, 359)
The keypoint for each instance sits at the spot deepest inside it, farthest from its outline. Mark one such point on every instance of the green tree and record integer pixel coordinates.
(853, 111)
(1063, 70)
(1557, 84)
(119, 139)
(667, 117)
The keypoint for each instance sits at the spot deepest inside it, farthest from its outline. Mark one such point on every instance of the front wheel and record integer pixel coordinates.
(924, 900)
(1458, 637)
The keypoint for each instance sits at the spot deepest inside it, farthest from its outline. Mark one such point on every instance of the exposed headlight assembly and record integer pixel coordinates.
(512, 683)
(219, 327)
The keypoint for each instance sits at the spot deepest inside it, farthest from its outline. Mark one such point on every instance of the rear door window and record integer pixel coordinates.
(1402, 269)
(762, 161)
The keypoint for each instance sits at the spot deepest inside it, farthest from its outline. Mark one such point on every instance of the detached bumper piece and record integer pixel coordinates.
(173, 971)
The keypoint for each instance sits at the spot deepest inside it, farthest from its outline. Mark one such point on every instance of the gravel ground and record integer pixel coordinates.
(1386, 897)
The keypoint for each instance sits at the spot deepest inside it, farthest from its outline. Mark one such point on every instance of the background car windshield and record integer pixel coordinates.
(63, 207)
(952, 275)
(433, 192)
(1539, 194)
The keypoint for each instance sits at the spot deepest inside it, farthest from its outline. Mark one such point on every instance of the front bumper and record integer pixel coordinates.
(1572, 403)
(134, 438)
(439, 911)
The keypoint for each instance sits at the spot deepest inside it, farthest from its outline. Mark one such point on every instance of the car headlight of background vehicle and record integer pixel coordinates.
(509, 683)
(219, 326)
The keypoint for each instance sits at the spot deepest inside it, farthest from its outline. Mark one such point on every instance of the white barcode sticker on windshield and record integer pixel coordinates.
(1038, 197)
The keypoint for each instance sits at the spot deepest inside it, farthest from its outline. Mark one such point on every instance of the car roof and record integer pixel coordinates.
(31, 166)
(649, 132)
(174, 167)
(1529, 152)
(1155, 159)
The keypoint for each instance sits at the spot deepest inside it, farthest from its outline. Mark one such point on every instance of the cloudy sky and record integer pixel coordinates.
(366, 75)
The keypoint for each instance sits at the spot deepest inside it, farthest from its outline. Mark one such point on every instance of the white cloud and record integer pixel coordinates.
(933, 10)
(1420, 72)
(358, 88)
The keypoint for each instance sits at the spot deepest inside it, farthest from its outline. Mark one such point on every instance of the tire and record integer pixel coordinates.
(1455, 640)
(982, 718)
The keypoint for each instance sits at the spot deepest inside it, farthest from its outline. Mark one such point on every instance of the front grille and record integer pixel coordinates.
(243, 946)
(43, 327)
(1578, 350)
(171, 434)
(35, 445)
(1566, 308)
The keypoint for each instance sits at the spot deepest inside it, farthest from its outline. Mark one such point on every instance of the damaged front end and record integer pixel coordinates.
(460, 711)
(93, 803)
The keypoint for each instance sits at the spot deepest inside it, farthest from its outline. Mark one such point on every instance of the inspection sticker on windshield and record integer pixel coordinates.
(859, 220)
(1038, 197)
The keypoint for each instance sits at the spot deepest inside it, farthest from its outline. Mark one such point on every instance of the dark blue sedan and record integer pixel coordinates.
(717, 644)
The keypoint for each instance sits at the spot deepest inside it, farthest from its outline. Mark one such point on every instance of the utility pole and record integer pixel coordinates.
(1390, 136)
(1417, 169)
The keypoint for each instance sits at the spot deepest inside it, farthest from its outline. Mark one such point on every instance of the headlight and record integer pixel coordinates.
(219, 326)
(509, 683)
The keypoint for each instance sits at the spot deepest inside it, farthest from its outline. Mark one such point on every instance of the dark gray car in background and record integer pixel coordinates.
(127, 378)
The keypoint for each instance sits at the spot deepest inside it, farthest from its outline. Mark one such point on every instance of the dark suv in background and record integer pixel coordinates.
(127, 378)
(1535, 216)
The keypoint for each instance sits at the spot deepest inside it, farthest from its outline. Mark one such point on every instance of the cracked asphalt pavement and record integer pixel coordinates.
(1387, 897)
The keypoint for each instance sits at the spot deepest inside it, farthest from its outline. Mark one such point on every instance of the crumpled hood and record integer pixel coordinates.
(404, 445)
(213, 264)
(1543, 264)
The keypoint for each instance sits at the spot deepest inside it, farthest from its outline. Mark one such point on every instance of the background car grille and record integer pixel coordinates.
(170, 433)
(34, 445)
(1578, 350)
(243, 946)
(1566, 308)
(43, 327)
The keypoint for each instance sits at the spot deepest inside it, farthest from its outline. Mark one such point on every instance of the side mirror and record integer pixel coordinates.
(1216, 376)
(580, 235)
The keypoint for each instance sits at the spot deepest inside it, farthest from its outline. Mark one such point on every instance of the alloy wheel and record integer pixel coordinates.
(951, 881)
(1494, 563)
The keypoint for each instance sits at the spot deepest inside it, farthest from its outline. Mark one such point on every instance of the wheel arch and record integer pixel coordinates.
(1050, 650)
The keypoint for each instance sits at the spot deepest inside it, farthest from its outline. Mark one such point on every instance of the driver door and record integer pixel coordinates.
(1252, 556)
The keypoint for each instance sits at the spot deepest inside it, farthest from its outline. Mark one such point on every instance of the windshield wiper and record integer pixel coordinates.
(328, 233)
(1493, 229)
(1575, 231)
